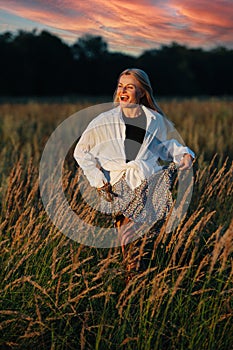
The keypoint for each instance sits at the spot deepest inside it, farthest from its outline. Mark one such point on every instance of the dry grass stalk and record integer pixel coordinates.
(182, 273)
(128, 298)
(104, 264)
(159, 289)
(38, 313)
(140, 282)
(28, 335)
(202, 291)
(19, 315)
(103, 294)
(82, 295)
(224, 245)
(227, 248)
(58, 291)
(129, 339)
(82, 335)
(20, 262)
(182, 233)
(6, 323)
(195, 230)
(199, 275)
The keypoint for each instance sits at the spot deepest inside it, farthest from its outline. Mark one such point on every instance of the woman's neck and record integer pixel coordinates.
(132, 112)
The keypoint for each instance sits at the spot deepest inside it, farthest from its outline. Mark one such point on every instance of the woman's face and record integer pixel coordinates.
(128, 90)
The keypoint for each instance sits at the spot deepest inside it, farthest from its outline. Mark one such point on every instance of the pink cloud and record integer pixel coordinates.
(133, 26)
(209, 22)
(218, 13)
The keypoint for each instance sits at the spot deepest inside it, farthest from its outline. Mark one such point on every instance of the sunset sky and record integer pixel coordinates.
(130, 26)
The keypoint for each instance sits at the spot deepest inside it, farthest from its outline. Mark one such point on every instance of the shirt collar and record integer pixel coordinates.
(150, 114)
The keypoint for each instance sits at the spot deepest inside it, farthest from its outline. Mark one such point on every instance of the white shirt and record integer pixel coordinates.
(102, 145)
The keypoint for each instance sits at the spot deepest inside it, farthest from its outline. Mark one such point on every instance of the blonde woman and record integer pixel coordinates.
(120, 153)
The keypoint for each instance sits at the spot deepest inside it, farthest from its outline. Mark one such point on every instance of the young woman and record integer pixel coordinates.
(120, 154)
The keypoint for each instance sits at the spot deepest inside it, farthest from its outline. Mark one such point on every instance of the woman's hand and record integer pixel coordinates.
(186, 162)
(107, 190)
(106, 186)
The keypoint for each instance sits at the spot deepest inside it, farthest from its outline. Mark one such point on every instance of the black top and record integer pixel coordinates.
(135, 133)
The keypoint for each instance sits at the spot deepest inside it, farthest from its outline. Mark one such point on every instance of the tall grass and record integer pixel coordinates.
(59, 294)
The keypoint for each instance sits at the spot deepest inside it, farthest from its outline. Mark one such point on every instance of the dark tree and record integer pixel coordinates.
(36, 64)
(89, 47)
(96, 68)
(170, 71)
(33, 63)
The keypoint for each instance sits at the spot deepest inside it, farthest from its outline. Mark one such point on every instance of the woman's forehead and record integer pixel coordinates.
(128, 79)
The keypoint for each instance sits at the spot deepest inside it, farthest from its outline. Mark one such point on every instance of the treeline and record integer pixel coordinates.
(41, 64)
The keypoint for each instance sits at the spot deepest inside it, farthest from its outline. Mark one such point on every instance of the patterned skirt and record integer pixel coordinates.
(148, 203)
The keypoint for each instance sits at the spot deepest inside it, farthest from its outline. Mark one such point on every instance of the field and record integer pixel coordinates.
(59, 294)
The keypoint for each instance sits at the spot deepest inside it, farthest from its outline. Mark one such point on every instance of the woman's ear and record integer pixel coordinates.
(141, 93)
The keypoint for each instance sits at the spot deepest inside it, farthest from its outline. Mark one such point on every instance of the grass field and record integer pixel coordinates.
(59, 294)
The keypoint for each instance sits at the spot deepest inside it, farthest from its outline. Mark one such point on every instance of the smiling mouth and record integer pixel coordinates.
(124, 98)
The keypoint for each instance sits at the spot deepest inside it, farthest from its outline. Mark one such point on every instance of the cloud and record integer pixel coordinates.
(210, 24)
(132, 25)
(220, 13)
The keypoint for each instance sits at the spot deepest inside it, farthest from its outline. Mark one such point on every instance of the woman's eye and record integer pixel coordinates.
(131, 87)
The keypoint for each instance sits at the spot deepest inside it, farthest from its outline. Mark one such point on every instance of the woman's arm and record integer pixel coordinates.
(172, 149)
(87, 161)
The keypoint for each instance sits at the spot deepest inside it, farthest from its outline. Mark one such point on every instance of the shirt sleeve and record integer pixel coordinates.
(87, 161)
(171, 149)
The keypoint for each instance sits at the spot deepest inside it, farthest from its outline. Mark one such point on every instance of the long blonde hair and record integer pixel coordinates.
(147, 99)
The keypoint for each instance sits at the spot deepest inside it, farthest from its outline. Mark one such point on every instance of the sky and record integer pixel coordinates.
(128, 26)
